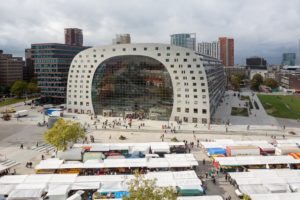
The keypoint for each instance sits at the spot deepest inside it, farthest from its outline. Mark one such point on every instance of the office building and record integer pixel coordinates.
(122, 39)
(11, 69)
(288, 59)
(28, 69)
(226, 51)
(153, 81)
(187, 40)
(51, 64)
(211, 49)
(73, 37)
(256, 63)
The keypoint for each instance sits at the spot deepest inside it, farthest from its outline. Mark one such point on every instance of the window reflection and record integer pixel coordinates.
(132, 86)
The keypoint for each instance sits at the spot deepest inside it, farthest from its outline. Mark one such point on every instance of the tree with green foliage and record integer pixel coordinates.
(235, 82)
(18, 88)
(256, 81)
(270, 82)
(63, 132)
(32, 88)
(140, 188)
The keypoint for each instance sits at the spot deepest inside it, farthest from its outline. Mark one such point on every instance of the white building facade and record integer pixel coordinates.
(209, 49)
(153, 81)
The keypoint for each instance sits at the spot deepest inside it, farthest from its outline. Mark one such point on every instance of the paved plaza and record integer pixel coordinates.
(25, 131)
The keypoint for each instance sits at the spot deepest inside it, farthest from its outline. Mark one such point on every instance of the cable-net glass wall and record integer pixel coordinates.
(132, 86)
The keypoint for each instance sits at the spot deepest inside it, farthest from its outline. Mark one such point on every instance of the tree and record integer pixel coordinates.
(256, 81)
(140, 188)
(235, 82)
(32, 88)
(18, 88)
(63, 132)
(270, 82)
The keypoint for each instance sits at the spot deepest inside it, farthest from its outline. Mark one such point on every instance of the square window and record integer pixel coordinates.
(172, 66)
(156, 48)
(195, 110)
(177, 54)
(187, 53)
(193, 78)
(145, 49)
(195, 90)
(187, 110)
(203, 111)
(124, 49)
(203, 90)
(195, 120)
(178, 109)
(159, 54)
(189, 66)
(184, 60)
(198, 66)
(167, 60)
(168, 48)
(134, 49)
(195, 96)
(113, 49)
(191, 72)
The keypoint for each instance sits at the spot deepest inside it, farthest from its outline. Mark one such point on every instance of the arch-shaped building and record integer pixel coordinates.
(156, 81)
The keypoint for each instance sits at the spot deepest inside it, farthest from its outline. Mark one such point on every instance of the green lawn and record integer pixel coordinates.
(7, 102)
(235, 111)
(281, 106)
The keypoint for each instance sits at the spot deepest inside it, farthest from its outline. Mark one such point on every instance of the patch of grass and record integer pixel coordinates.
(7, 102)
(235, 111)
(281, 106)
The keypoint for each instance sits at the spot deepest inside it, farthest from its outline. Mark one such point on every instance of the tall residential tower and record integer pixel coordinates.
(73, 37)
(211, 49)
(227, 51)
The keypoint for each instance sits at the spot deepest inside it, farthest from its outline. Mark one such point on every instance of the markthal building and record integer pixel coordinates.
(145, 81)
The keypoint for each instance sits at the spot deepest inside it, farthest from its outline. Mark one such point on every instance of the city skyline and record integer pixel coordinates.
(256, 33)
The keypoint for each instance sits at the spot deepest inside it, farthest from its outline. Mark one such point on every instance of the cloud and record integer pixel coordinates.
(263, 28)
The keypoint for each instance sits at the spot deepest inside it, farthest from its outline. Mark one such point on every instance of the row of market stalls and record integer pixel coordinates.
(61, 186)
(131, 148)
(119, 165)
(243, 163)
(257, 183)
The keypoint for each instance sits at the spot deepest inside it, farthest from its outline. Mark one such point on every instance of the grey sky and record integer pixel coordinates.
(260, 27)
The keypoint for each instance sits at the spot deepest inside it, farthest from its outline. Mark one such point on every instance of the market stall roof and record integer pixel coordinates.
(112, 186)
(5, 189)
(86, 185)
(90, 164)
(157, 163)
(275, 196)
(253, 189)
(58, 189)
(25, 193)
(63, 178)
(71, 165)
(12, 179)
(51, 163)
(38, 178)
(70, 154)
(255, 160)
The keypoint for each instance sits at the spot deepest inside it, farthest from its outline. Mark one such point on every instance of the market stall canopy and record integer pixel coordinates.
(206, 197)
(276, 196)
(70, 154)
(51, 163)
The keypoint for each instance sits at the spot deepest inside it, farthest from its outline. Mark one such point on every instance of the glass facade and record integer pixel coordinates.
(132, 86)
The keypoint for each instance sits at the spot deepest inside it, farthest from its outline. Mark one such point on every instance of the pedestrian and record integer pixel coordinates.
(203, 161)
(21, 146)
(15, 172)
(43, 157)
(37, 144)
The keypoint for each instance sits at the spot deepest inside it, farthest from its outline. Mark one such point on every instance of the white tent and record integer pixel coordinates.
(58, 191)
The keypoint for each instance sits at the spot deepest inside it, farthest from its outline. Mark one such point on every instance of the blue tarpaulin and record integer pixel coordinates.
(214, 151)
